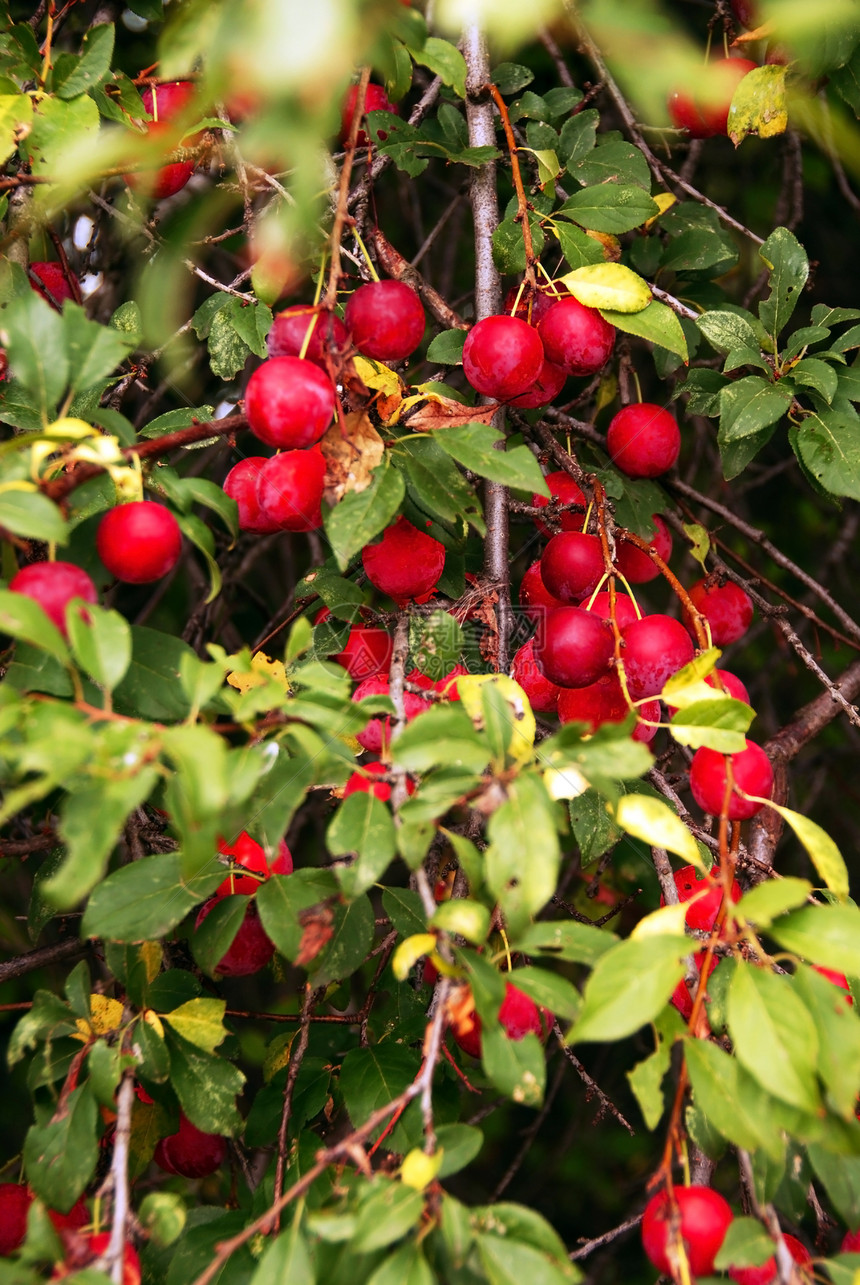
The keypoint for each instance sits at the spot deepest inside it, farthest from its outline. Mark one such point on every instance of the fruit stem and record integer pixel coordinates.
(340, 214)
(371, 269)
(522, 214)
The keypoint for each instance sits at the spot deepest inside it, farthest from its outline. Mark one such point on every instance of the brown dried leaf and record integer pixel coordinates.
(460, 1009)
(444, 412)
(351, 454)
(317, 931)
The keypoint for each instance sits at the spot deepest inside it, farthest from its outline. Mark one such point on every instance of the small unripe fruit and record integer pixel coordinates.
(655, 648)
(386, 320)
(289, 403)
(249, 951)
(316, 329)
(250, 855)
(190, 1152)
(518, 1015)
(767, 1273)
(576, 338)
(704, 1218)
(290, 490)
(543, 695)
(634, 564)
(572, 565)
(139, 542)
(564, 489)
(643, 440)
(53, 585)
(574, 647)
(502, 357)
(751, 773)
(241, 484)
(406, 563)
(726, 607)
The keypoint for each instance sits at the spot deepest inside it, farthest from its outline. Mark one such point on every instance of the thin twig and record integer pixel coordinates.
(606, 1103)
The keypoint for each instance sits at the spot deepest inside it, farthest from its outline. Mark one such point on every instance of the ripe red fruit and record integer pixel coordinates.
(751, 772)
(704, 897)
(547, 387)
(704, 1220)
(518, 1015)
(575, 337)
(767, 1272)
(386, 320)
(727, 609)
(643, 440)
(15, 1202)
(850, 1243)
(636, 566)
(360, 783)
(535, 599)
(655, 648)
(704, 110)
(543, 695)
(625, 610)
(53, 585)
(92, 1247)
(502, 357)
(746, 13)
(838, 979)
(731, 684)
(290, 489)
(56, 285)
(603, 702)
(574, 647)
(139, 542)
(541, 301)
(320, 327)
(572, 565)
(681, 997)
(375, 100)
(249, 951)
(164, 102)
(289, 403)
(250, 855)
(377, 734)
(406, 563)
(190, 1152)
(562, 488)
(241, 485)
(367, 650)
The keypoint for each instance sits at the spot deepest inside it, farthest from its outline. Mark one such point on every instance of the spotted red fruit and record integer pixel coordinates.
(703, 110)
(563, 489)
(290, 490)
(377, 735)
(546, 388)
(375, 100)
(56, 285)
(681, 997)
(572, 565)
(250, 855)
(767, 1272)
(289, 403)
(535, 598)
(250, 950)
(139, 542)
(838, 979)
(87, 1249)
(634, 564)
(705, 897)
(386, 320)
(316, 329)
(502, 357)
(726, 607)
(53, 585)
(575, 337)
(574, 647)
(241, 485)
(751, 773)
(643, 440)
(704, 1218)
(406, 563)
(164, 103)
(190, 1152)
(655, 648)
(543, 695)
(518, 1015)
(625, 609)
(603, 702)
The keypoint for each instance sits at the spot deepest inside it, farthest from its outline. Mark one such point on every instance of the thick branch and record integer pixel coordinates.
(41, 958)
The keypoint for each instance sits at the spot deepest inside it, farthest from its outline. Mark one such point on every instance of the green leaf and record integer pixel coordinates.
(279, 795)
(610, 207)
(578, 136)
(608, 285)
(94, 62)
(465, 918)
(838, 1028)
(577, 246)
(350, 943)
(726, 330)
(577, 943)
(205, 1084)
(287, 1259)
(730, 1098)
(151, 687)
(173, 420)
(646, 1078)
(828, 447)
(473, 446)
(718, 724)
(361, 515)
(629, 986)
(459, 1143)
(282, 899)
(548, 990)
(516, 1067)
(371, 1077)
(509, 251)
(62, 133)
(828, 935)
(840, 1177)
(23, 618)
(216, 934)
(525, 823)
(228, 350)
(751, 404)
(813, 373)
(657, 323)
(443, 59)
(101, 644)
(443, 735)
(16, 112)
(786, 258)
(774, 1035)
(615, 162)
(36, 351)
(363, 828)
(143, 901)
(511, 77)
(446, 348)
(762, 904)
(746, 1244)
(436, 642)
(29, 513)
(60, 1153)
(163, 1215)
(389, 1211)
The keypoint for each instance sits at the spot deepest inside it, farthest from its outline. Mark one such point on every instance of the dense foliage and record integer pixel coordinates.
(395, 887)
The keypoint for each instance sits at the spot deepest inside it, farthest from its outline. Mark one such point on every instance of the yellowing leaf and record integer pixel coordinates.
(73, 429)
(200, 1021)
(688, 685)
(664, 201)
(378, 377)
(667, 921)
(826, 857)
(520, 744)
(565, 782)
(419, 1170)
(759, 105)
(409, 951)
(655, 823)
(152, 1019)
(700, 541)
(263, 667)
(105, 1016)
(608, 285)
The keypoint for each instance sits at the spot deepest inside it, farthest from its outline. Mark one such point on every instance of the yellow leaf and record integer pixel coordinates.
(608, 285)
(826, 857)
(378, 377)
(152, 1019)
(105, 1016)
(759, 105)
(656, 824)
(522, 726)
(419, 1170)
(667, 921)
(200, 1021)
(688, 685)
(664, 201)
(263, 667)
(409, 951)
